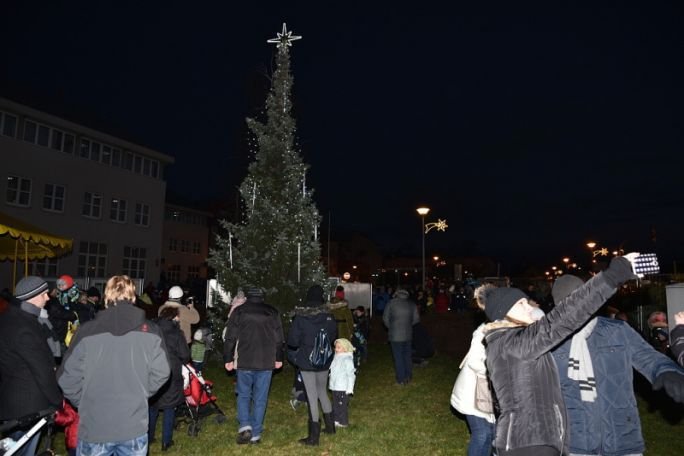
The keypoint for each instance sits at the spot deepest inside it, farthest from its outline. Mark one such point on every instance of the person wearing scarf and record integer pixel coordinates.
(595, 366)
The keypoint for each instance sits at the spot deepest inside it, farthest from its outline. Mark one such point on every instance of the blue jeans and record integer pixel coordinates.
(403, 365)
(133, 447)
(481, 436)
(167, 423)
(30, 447)
(252, 395)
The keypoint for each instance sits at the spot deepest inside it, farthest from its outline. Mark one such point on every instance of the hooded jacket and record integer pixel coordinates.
(463, 394)
(523, 372)
(188, 317)
(254, 336)
(308, 321)
(399, 316)
(27, 368)
(171, 394)
(610, 425)
(114, 364)
(343, 317)
(342, 373)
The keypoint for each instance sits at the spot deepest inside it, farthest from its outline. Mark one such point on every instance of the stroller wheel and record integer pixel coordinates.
(191, 430)
(220, 419)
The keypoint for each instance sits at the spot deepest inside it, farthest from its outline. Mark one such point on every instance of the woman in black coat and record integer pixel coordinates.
(171, 394)
(308, 322)
(532, 419)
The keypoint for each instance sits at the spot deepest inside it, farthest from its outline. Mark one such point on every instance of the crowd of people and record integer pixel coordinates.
(532, 383)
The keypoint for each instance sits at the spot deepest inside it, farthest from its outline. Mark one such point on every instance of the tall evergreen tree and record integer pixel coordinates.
(275, 246)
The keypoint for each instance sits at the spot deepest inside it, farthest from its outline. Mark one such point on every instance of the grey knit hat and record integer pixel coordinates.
(564, 286)
(29, 287)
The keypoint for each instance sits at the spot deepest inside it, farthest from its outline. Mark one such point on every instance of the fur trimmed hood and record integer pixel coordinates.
(336, 305)
(310, 311)
(500, 324)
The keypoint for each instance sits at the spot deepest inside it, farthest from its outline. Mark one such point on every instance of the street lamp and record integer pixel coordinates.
(423, 211)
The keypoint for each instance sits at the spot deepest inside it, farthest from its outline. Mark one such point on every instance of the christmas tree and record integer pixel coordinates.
(275, 246)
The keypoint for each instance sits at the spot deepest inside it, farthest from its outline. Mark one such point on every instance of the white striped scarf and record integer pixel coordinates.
(580, 367)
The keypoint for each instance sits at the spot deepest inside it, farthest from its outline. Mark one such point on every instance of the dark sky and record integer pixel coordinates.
(530, 129)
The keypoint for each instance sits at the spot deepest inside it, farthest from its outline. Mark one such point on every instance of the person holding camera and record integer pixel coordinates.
(187, 313)
(533, 420)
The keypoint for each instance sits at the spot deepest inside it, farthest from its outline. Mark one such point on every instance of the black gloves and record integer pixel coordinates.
(619, 271)
(673, 383)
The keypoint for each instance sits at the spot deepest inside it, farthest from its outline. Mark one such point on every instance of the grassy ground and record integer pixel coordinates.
(385, 419)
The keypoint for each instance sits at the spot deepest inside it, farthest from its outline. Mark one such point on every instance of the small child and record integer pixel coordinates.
(198, 349)
(342, 378)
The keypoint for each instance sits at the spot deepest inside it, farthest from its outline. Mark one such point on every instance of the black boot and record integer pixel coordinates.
(314, 434)
(329, 423)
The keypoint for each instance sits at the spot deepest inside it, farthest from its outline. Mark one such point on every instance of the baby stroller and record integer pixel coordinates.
(200, 401)
(36, 422)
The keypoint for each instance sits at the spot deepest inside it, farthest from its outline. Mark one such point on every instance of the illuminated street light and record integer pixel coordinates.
(423, 211)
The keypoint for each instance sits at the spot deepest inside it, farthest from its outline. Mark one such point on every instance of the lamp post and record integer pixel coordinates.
(423, 211)
(591, 245)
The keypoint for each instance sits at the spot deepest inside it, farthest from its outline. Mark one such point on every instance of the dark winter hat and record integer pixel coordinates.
(255, 292)
(314, 297)
(498, 301)
(29, 287)
(93, 293)
(564, 286)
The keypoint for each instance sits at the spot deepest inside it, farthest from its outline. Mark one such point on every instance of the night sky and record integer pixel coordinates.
(530, 129)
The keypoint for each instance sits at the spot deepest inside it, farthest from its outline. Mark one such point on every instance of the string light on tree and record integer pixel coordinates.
(276, 245)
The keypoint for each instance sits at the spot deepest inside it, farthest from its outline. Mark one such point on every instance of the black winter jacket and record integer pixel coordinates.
(308, 321)
(254, 336)
(523, 372)
(171, 394)
(60, 318)
(27, 369)
(677, 346)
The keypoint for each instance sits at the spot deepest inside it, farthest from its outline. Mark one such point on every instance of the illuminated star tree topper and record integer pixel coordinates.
(284, 39)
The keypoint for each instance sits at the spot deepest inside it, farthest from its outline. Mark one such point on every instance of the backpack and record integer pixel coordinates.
(322, 350)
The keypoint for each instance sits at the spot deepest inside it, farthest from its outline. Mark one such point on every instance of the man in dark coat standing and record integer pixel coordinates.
(400, 315)
(254, 347)
(28, 384)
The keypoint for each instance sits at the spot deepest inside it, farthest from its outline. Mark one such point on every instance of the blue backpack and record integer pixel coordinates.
(322, 350)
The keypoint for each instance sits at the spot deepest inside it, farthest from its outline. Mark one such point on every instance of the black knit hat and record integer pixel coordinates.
(314, 297)
(29, 287)
(255, 292)
(93, 293)
(564, 286)
(498, 301)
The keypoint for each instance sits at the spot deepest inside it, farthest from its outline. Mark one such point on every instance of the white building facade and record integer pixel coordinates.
(105, 193)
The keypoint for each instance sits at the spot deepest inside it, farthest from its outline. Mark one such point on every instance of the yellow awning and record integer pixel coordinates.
(22, 241)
